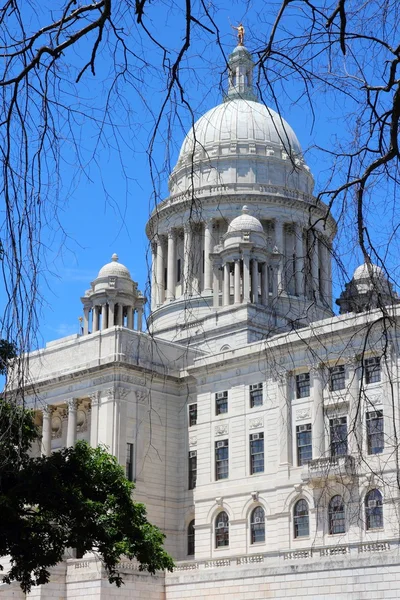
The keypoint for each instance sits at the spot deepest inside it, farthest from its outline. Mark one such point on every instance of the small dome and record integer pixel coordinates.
(114, 269)
(245, 222)
(363, 272)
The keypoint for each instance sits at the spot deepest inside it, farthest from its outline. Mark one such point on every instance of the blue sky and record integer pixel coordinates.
(105, 202)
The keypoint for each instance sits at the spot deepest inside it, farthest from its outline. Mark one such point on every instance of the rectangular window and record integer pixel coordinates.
(375, 439)
(129, 462)
(256, 395)
(222, 459)
(338, 431)
(221, 403)
(372, 368)
(304, 444)
(256, 453)
(303, 385)
(192, 414)
(337, 378)
(192, 469)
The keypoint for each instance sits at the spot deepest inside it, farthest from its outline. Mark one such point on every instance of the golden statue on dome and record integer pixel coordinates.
(240, 33)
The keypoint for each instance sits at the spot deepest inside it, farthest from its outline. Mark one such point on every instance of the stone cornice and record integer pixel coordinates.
(214, 195)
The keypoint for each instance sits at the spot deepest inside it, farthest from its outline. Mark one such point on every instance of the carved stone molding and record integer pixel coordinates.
(375, 399)
(192, 441)
(81, 420)
(303, 413)
(141, 395)
(122, 393)
(256, 423)
(221, 430)
(219, 500)
(254, 495)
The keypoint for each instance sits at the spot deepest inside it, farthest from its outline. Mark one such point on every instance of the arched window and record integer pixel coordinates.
(374, 510)
(336, 515)
(301, 521)
(257, 525)
(221, 530)
(190, 538)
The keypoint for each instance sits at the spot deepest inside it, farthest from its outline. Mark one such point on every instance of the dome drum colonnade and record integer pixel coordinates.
(241, 152)
(293, 261)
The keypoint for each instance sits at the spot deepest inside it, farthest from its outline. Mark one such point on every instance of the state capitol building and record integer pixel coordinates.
(260, 428)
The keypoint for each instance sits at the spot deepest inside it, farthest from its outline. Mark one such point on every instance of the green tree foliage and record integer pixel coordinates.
(76, 498)
(7, 353)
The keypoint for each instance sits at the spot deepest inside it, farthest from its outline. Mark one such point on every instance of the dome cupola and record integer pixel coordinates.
(113, 299)
(369, 288)
(245, 222)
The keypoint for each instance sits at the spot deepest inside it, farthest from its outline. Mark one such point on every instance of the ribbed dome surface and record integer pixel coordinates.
(363, 272)
(245, 222)
(114, 268)
(240, 120)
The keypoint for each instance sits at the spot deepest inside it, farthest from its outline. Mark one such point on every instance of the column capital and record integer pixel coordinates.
(72, 404)
(94, 398)
(48, 410)
(282, 376)
(172, 233)
(317, 368)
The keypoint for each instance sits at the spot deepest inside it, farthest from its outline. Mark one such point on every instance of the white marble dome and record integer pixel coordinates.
(114, 269)
(363, 272)
(237, 121)
(245, 222)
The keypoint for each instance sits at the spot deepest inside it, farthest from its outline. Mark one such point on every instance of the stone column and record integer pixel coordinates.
(326, 293)
(246, 277)
(236, 284)
(120, 314)
(315, 264)
(299, 250)
(279, 247)
(71, 426)
(86, 320)
(187, 259)
(226, 284)
(130, 317)
(46, 430)
(274, 274)
(329, 273)
(264, 284)
(95, 319)
(318, 424)
(111, 308)
(94, 418)
(171, 265)
(139, 318)
(207, 250)
(284, 379)
(153, 276)
(160, 270)
(104, 317)
(354, 425)
(254, 280)
(215, 285)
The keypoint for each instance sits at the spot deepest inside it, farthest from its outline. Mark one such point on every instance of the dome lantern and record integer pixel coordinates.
(240, 82)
